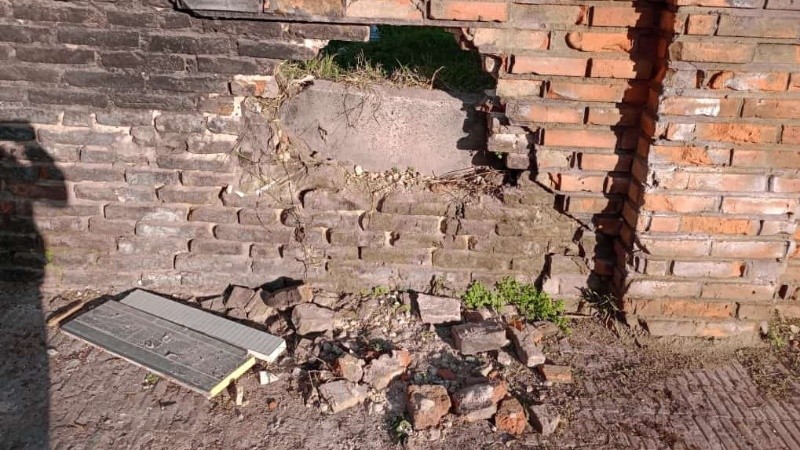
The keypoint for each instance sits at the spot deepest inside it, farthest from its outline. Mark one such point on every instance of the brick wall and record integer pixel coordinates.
(666, 135)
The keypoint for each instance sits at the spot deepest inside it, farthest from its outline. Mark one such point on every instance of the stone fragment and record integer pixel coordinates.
(265, 377)
(472, 338)
(437, 310)
(556, 374)
(544, 419)
(477, 402)
(525, 345)
(284, 299)
(477, 315)
(239, 297)
(342, 394)
(238, 314)
(214, 304)
(308, 318)
(350, 368)
(259, 311)
(504, 358)
(510, 417)
(380, 372)
(546, 329)
(427, 405)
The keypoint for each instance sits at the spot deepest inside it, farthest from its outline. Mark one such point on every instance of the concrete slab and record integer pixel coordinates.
(381, 127)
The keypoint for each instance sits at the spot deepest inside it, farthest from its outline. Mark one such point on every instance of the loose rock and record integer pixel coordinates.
(547, 329)
(477, 402)
(284, 299)
(308, 318)
(427, 405)
(265, 377)
(350, 368)
(342, 394)
(544, 419)
(437, 310)
(473, 338)
(556, 374)
(239, 297)
(383, 370)
(259, 311)
(510, 417)
(525, 346)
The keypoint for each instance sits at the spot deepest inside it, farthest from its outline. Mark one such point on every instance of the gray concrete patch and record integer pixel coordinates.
(381, 127)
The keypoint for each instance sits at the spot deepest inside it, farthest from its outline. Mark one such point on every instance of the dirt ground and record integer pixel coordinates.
(630, 391)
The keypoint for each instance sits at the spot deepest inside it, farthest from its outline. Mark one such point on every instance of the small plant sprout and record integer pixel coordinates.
(401, 428)
(531, 302)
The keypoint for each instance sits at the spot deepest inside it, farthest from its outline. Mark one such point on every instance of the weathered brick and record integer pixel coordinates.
(753, 205)
(241, 233)
(417, 256)
(151, 61)
(212, 84)
(216, 247)
(547, 65)
(105, 192)
(701, 24)
(392, 222)
(738, 291)
(638, 17)
(274, 50)
(93, 78)
(469, 259)
(758, 26)
(592, 92)
(657, 288)
(99, 38)
(736, 132)
(213, 214)
(193, 178)
(620, 68)
(182, 230)
(192, 44)
(138, 245)
(708, 269)
(384, 9)
(748, 81)
(486, 11)
(139, 100)
(771, 109)
(717, 225)
(547, 16)
(680, 203)
(600, 42)
(21, 34)
(146, 212)
(112, 227)
(717, 52)
(136, 19)
(15, 72)
(712, 107)
(217, 263)
(51, 13)
(224, 64)
(777, 53)
(748, 249)
(537, 111)
(491, 40)
(55, 55)
(193, 195)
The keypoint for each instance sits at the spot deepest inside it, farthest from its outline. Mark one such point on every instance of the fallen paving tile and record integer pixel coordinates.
(438, 310)
(510, 417)
(309, 318)
(477, 402)
(544, 419)
(239, 297)
(427, 405)
(342, 394)
(556, 374)
(381, 371)
(525, 345)
(473, 338)
(286, 298)
(350, 368)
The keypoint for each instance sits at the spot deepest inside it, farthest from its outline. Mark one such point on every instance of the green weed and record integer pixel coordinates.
(151, 379)
(400, 428)
(531, 302)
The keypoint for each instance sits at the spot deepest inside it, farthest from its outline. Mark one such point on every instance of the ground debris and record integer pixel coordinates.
(308, 318)
(342, 394)
(510, 417)
(544, 419)
(381, 371)
(438, 310)
(473, 338)
(525, 341)
(427, 405)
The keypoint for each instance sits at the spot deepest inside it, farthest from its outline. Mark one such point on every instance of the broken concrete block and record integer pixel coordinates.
(350, 368)
(525, 345)
(265, 377)
(342, 394)
(544, 419)
(427, 405)
(556, 374)
(510, 417)
(477, 402)
(436, 310)
(309, 318)
(259, 311)
(284, 299)
(239, 297)
(472, 338)
(380, 372)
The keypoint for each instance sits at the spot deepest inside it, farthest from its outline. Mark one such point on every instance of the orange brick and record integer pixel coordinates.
(791, 135)
(609, 16)
(469, 10)
(785, 184)
(620, 68)
(600, 42)
(748, 81)
(580, 138)
(755, 205)
(711, 107)
(718, 225)
(577, 183)
(717, 52)
(617, 115)
(679, 203)
(601, 161)
(767, 159)
(770, 108)
(690, 156)
(545, 112)
(518, 88)
(592, 205)
(664, 224)
(549, 66)
(703, 269)
(701, 24)
(736, 132)
(727, 182)
(682, 308)
(623, 92)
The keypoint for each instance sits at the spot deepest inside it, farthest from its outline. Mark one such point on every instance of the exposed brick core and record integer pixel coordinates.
(667, 135)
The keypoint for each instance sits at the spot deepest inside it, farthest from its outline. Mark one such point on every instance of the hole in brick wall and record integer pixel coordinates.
(410, 97)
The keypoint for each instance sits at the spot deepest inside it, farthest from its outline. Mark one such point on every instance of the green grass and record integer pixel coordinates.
(531, 302)
(415, 56)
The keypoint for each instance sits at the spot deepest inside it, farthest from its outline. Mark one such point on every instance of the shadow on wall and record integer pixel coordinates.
(28, 175)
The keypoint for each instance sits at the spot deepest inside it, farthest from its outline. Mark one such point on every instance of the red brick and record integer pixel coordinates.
(493, 39)
(791, 135)
(469, 10)
(679, 203)
(605, 16)
(721, 3)
(736, 132)
(748, 81)
(306, 7)
(384, 9)
(727, 182)
(547, 16)
(748, 249)
(577, 183)
(602, 161)
(759, 26)
(718, 225)
(681, 308)
(674, 247)
(620, 68)
(664, 224)
(627, 93)
(785, 184)
(767, 159)
(580, 138)
(717, 52)
(755, 205)
(545, 112)
(778, 53)
(617, 115)
(712, 107)
(549, 65)
(600, 42)
(771, 109)
(690, 156)
(701, 24)
(518, 88)
(592, 205)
